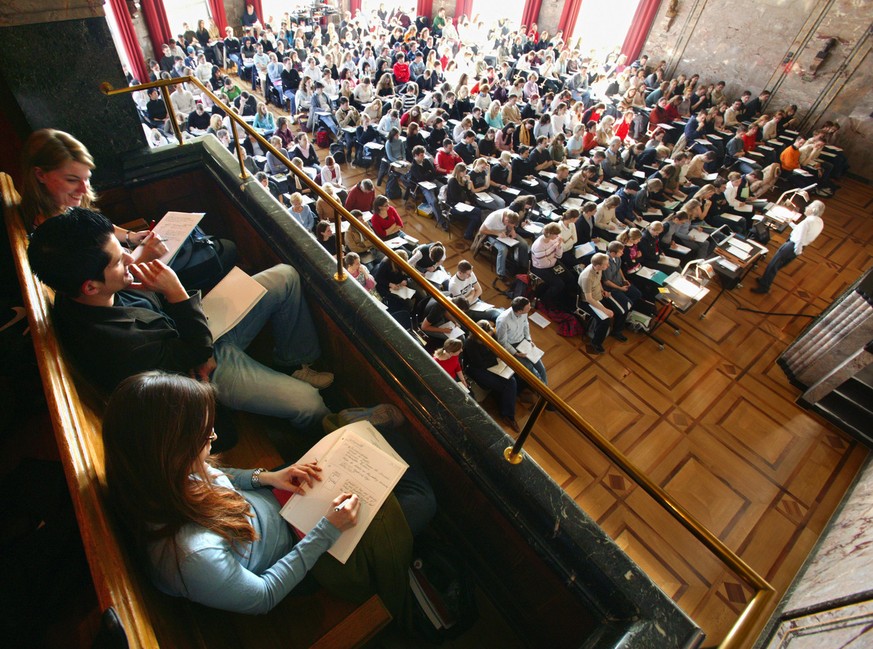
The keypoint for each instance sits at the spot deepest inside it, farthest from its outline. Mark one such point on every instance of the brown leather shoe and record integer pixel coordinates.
(510, 421)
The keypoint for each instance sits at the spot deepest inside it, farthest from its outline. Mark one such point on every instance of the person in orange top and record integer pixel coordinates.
(790, 158)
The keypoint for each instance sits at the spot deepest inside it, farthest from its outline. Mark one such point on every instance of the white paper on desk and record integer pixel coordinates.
(230, 301)
(374, 145)
(510, 190)
(437, 276)
(654, 211)
(463, 207)
(737, 252)
(356, 459)
(589, 197)
(529, 181)
(480, 306)
(426, 184)
(609, 187)
(668, 261)
(729, 265)
(682, 250)
(698, 236)
(710, 177)
(485, 197)
(584, 249)
(174, 228)
(395, 242)
(507, 241)
(501, 369)
(539, 319)
(403, 292)
(601, 245)
(531, 351)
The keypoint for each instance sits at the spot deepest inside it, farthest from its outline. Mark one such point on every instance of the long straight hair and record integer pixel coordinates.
(48, 149)
(154, 430)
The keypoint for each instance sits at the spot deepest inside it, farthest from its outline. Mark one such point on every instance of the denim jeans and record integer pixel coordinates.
(538, 369)
(783, 257)
(245, 384)
(520, 252)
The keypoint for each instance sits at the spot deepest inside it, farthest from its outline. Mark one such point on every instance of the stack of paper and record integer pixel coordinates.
(530, 350)
(230, 301)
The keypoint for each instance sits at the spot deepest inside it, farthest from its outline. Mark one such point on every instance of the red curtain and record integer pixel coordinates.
(531, 12)
(219, 17)
(129, 40)
(425, 8)
(354, 7)
(639, 29)
(157, 24)
(568, 18)
(463, 8)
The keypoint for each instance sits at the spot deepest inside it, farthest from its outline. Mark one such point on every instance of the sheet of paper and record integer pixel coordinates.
(426, 184)
(539, 320)
(403, 292)
(697, 235)
(682, 250)
(656, 276)
(437, 276)
(480, 306)
(229, 302)
(353, 462)
(456, 331)
(501, 369)
(507, 241)
(668, 261)
(463, 207)
(530, 350)
(584, 249)
(600, 314)
(174, 228)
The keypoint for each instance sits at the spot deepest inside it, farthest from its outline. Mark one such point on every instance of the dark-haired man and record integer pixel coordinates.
(117, 318)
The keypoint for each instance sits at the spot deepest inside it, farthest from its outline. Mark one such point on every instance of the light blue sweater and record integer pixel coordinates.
(251, 579)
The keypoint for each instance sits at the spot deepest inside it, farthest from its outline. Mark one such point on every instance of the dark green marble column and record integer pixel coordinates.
(54, 70)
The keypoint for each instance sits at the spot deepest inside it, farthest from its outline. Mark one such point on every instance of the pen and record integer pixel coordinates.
(342, 504)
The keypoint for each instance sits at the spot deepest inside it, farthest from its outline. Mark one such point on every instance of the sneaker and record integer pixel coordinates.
(319, 380)
(384, 414)
(510, 421)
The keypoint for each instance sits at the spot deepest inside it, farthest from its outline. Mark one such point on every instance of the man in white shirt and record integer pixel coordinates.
(803, 234)
(464, 283)
(502, 223)
(513, 329)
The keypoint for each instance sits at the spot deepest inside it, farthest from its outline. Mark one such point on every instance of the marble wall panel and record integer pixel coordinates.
(756, 44)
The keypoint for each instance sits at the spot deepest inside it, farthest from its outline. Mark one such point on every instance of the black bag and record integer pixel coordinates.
(392, 186)
(203, 260)
(444, 601)
(760, 233)
(338, 152)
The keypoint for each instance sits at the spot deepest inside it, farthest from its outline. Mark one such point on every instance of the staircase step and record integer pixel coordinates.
(858, 393)
(848, 416)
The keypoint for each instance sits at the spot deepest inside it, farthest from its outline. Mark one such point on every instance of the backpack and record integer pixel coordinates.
(338, 152)
(322, 138)
(203, 260)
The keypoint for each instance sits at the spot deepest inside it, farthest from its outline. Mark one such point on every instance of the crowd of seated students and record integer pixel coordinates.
(520, 137)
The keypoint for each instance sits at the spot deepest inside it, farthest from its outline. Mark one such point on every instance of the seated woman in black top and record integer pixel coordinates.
(390, 276)
(460, 190)
(487, 145)
(478, 358)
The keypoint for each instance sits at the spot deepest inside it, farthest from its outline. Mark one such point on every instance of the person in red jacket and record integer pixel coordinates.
(401, 70)
(750, 139)
(361, 196)
(446, 158)
(386, 221)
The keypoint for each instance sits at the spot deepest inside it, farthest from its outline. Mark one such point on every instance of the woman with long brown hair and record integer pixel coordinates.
(214, 535)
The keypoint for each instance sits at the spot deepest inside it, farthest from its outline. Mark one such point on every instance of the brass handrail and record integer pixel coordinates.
(764, 592)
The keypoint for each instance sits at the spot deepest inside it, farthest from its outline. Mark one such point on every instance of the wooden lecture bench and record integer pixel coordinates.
(148, 617)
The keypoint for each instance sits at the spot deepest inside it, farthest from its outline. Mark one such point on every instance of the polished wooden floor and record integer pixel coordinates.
(711, 419)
